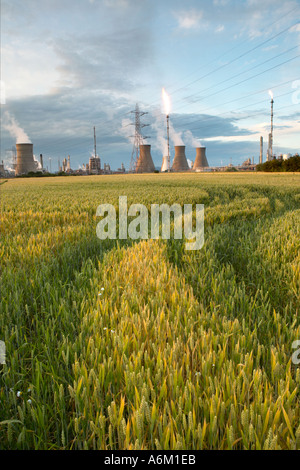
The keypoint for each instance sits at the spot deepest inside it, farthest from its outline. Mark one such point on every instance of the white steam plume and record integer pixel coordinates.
(37, 163)
(127, 130)
(12, 126)
(175, 136)
(191, 140)
(160, 126)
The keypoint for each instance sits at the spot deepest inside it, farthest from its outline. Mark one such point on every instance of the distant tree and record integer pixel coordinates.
(231, 169)
(291, 165)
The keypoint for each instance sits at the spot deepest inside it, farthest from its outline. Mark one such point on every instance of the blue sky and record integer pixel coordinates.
(67, 66)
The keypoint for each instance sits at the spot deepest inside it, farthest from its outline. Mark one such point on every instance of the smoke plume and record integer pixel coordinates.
(191, 140)
(12, 126)
(160, 126)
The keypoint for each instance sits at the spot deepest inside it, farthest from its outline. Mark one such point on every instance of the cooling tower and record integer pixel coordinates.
(25, 160)
(145, 163)
(164, 166)
(180, 162)
(201, 160)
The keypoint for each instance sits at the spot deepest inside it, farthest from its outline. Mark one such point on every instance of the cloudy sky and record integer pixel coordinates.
(69, 65)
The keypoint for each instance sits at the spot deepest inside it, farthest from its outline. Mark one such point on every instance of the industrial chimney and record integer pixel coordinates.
(180, 162)
(261, 150)
(25, 160)
(269, 152)
(201, 160)
(41, 161)
(145, 163)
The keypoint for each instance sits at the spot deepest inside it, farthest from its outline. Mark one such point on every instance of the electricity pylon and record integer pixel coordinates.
(138, 137)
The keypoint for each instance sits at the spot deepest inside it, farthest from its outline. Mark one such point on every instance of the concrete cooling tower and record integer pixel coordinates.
(180, 162)
(25, 160)
(145, 163)
(201, 160)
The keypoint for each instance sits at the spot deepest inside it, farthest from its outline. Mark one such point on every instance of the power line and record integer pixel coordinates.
(213, 71)
(238, 109)
(246, 71)
(230, 50)
(246, 96)
(189, 122)
(240, 56)
(251, 116)
(245, 80)
(228, 63)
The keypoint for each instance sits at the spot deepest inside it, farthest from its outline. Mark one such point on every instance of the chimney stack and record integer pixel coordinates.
(261, 150)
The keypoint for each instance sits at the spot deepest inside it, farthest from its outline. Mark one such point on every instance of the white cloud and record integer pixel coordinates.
(221, 3)
(115, 3)
(28, 69)
(270, 48)
(220, 28)
(190, 19)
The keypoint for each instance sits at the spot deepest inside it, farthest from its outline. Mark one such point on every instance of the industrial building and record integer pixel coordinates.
(94, 166)
(106, 168)
(122, 169)
(2, 170)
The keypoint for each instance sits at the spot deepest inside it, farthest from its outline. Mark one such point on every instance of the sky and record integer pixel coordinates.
(70, 65)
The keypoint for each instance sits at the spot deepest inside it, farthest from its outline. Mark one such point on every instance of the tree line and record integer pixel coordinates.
(292, 164)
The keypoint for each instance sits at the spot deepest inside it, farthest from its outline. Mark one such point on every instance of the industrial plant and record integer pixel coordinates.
(25, 163)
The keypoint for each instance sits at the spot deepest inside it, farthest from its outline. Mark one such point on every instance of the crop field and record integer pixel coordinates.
(141, 344)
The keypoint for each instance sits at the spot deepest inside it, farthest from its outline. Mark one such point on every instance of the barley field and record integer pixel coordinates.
(143, 345)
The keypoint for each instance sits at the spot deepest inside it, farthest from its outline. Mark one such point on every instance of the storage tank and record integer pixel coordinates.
(180, 162)
(145, 163)
(201, 160)
(25, 160)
